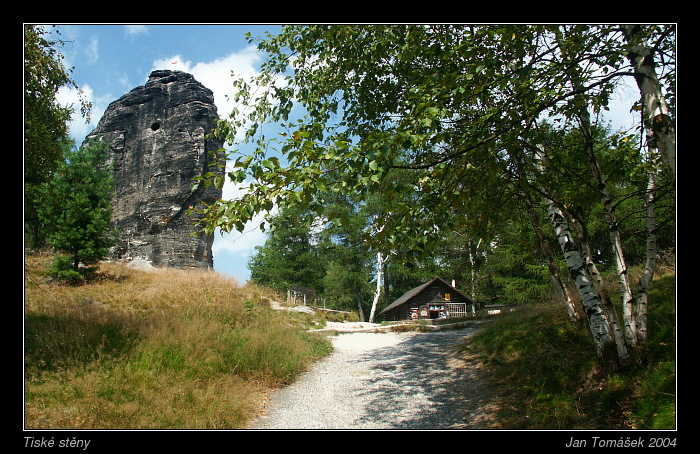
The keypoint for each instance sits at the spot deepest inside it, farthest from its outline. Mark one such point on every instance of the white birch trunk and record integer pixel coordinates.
(378, 290)
(551, 264)
(650, 265)
(613, 232)
(613, 319)
(597, 319)
(656, 112)
(559, 285)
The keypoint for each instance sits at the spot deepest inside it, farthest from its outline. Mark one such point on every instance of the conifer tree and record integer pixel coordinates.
(75, 210)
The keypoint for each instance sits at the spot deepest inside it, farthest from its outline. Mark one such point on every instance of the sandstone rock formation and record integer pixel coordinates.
(157, 134)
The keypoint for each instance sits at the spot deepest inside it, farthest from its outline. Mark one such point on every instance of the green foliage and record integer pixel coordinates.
(439, 123)
(45, 121)
(62, 269)
(550, 378)
(289, 255)
(419, 114)
(75, 209)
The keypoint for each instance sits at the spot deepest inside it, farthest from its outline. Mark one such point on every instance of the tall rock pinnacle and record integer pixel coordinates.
(157, 136)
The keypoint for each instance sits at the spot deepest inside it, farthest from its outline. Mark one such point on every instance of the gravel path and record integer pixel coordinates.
(386, 381)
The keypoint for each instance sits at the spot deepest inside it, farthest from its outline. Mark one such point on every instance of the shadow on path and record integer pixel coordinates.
(422, 384)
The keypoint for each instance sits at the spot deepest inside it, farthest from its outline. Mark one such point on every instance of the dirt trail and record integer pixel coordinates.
(387, 381)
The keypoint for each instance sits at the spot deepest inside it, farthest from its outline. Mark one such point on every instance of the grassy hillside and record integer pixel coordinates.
(549, 377)
(178, 349)
(171, 349)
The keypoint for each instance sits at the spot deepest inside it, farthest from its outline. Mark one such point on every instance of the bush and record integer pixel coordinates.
(62, 269)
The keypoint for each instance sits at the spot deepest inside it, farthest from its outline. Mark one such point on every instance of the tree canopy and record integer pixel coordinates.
(440, 101)
(463, 129)
(45, 121)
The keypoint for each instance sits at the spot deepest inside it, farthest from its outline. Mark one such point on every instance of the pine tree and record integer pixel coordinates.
(75, 210)
(289, 256)
(45, 120)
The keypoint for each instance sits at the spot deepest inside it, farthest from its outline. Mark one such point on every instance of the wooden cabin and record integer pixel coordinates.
(433, 300)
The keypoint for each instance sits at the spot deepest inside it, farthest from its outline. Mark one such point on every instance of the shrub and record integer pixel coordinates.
(62, 269)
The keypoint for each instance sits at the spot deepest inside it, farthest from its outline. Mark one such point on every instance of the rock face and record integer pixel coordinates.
(158, 145)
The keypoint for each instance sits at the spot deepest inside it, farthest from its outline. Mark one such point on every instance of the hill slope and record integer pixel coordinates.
(549, 376)
(168, 349)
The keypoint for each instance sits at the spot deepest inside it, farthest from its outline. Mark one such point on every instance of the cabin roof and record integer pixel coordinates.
(415, 291)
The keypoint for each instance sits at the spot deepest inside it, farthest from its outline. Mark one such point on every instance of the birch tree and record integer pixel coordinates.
(571, 48)
(436, 104)
(650, 262)
(659, 126)
(598, 320)
(655, 108)
(378, 289)
(559, 284)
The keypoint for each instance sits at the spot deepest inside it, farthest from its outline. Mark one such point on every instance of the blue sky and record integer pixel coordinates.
(110, 60)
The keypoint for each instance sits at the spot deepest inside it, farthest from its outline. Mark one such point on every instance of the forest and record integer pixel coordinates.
(479, 153)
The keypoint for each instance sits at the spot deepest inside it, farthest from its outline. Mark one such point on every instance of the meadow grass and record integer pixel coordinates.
(170, 349)
(548, 375)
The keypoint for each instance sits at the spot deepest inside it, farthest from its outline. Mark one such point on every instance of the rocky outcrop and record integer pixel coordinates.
(158, 139)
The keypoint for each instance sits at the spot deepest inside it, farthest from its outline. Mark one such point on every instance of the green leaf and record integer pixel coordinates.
(245, 163)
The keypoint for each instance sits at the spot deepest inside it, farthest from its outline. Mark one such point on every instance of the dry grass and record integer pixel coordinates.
(170, 349)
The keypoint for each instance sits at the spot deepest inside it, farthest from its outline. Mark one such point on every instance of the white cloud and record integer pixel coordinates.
(92, 51)
(217, 75)
(132, 31)
(125, 82)
(68, 96)
(175, 62)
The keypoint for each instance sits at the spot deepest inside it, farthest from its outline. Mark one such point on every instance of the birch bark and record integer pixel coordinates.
(378, 290)
(661, 140)
(559, 285)
(650, 264)
(656, 111)
(597, 319)
(618, 333)
(581, 113)
(613, 231)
